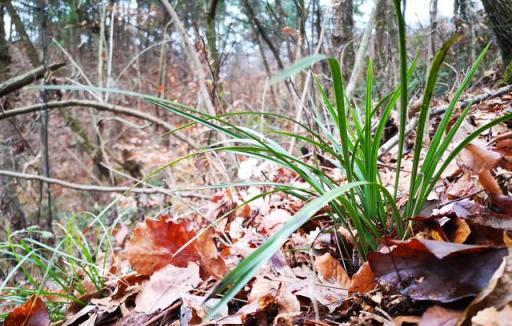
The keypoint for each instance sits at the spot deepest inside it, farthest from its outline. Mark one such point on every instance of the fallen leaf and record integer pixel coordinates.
(32, 313)
(462, 231)
(330, 270)
(154, 244)
(316, 290)
(265, 313)
(440, 316)
(282, 291)
(493, 317)
(497, 294)
(194, 309)
(487, 226)
(211, 261)
(274, 220)
(363, 280)
(435, 270)
(120, 233)
(166, 286)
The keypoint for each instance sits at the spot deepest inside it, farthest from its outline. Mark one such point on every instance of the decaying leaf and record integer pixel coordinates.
(330, 270)
(154, 244)
(363, 281)
(32, 313)
(166, 286)
(435, 270)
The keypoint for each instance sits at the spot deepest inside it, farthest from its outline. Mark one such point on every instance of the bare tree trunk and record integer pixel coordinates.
(342, 32)
(259, 27)
(500, 13)
(362, 51)
(20, 28)
(213, 53)
(211, 39)
(10, 207)
(433, 29)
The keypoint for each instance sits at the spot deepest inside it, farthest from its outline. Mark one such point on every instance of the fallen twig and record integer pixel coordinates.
(414, 121)
(95, 188)
(18, 82)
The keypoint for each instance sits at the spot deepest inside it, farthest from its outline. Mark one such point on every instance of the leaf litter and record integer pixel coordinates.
(455, 270)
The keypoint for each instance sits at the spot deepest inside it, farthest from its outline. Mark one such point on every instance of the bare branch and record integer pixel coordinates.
(98, 106)
(18, 82)
(95, 188)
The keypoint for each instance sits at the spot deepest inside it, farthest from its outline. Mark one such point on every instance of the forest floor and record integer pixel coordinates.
(454, 270)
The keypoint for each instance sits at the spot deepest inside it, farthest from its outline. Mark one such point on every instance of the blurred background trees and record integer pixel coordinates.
(136, 45)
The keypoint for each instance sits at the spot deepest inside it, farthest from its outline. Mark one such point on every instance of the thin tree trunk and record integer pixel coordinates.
(362, 51)
(20, 28)
(259, 27)
(433, 29)
(500, 13)
(10, 207)
(342, 32)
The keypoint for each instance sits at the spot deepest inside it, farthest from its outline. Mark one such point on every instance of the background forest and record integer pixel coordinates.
(72, 153)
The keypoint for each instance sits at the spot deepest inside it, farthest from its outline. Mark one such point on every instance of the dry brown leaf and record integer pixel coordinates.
(406, 320)
(32, 313)
(166, 286)
(497, 294)
(363, 281)
(493, 317)
(153, 245)
(330, 270)
(488, 182)
(438, 271)
(211, 261)
(286, 300)
(480, 158)
(507, 238)
(462, 231)
(327, 294)
(439, 316)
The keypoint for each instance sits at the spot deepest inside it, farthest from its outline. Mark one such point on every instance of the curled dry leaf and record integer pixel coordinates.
(153, 245)
(166, 286)
(481, 162)
(32, 313)
(331, 271)
(435, 270)
(363, 281)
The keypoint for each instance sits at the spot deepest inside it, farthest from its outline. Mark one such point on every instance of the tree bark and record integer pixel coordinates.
(10, 207)
(211, 39)
(500, 14)
(342, 31)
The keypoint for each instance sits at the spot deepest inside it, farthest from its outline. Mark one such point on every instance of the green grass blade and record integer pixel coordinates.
(297, 67)
(237, 278)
